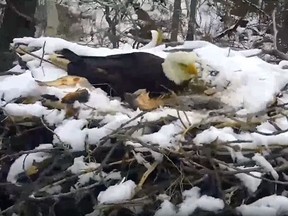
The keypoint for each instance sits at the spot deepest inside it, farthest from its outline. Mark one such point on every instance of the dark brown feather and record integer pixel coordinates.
(118, 74)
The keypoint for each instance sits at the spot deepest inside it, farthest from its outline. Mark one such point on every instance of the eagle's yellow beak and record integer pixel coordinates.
(189, 69)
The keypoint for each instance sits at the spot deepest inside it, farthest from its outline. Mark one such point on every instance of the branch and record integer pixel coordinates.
(256, 7)
(229, 30)
(19, 13)
(274, 28)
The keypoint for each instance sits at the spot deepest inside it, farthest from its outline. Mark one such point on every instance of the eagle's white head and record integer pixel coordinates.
(181, 66)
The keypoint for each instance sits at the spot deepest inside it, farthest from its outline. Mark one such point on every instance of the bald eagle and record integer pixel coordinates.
(126, 73)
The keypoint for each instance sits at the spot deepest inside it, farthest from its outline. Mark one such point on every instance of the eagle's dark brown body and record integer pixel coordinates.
(118, 74)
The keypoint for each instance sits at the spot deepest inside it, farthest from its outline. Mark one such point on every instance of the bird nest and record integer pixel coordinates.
(62, 155)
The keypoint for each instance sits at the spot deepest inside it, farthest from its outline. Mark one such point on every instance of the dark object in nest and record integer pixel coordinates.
(81, 95)
(50, 97)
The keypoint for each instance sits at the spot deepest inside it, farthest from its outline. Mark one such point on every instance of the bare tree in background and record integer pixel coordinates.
(47, 14)
(282, 26)
(176, 20)
(192, 20)
(18, 21)
(112, 21)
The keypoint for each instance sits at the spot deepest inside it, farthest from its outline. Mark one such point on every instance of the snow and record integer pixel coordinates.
(249, 181)
(191, 201)
(165, 137)
(85, 173)
(54, 189)
(70, 132)
(25, 161)
(208, 136)
(269, 206)
(209, 203)
(16, 69)
(253, 139)
(35, 109)
(266, 165)
(111, 123)
(100, 102)
(244, 82)
(54, 117)
(15, 86)
(166, 209)
(117, 193)
(80, 166)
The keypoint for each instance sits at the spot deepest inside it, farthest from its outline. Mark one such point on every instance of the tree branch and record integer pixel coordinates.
(19, 13)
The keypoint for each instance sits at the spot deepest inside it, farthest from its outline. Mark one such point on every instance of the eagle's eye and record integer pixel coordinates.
(189, 68)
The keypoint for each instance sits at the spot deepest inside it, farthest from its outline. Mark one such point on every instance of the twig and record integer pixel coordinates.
(256, 7)
(57, 196)
(180, 119)
(217, 176)
(106, 138)
(146, 175)
(275, 51)
(130, 203)
(151, 146)
(43, 53)
(275, 31)
(250, 174)
(270, 134)
(107, 157)
(35, 56)
(59, 139)
(15, 155)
